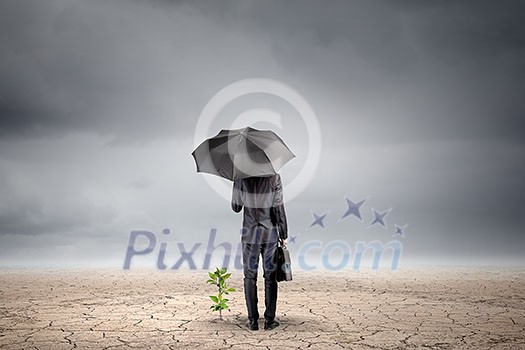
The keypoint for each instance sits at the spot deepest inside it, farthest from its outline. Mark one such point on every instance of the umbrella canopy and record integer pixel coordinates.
(242, 153)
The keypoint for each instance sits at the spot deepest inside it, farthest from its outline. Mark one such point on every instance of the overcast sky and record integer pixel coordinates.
(420, 108)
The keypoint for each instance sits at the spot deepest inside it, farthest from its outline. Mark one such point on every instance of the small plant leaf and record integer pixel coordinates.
(218, 278)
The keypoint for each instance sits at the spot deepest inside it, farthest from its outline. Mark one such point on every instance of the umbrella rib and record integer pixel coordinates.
(237, 171)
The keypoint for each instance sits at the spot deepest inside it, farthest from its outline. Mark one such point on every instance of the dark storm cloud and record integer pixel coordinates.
(420, 105)
(108, 67)
(138, 69)
(444, 69)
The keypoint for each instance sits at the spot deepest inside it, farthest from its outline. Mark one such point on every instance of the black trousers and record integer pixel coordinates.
(250, 257)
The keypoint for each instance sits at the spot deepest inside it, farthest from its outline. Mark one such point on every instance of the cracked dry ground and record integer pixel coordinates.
(102, 309)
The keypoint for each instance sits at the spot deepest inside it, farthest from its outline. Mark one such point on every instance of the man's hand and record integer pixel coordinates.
(284, 243)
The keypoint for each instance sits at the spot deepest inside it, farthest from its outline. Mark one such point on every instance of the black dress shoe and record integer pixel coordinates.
(252, 325)
(271, 324)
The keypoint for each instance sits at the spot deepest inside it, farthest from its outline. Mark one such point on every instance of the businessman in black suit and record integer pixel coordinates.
(264, 224)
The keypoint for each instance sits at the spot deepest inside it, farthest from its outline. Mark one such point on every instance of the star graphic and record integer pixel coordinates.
(293, 238)
(379, 218)
(353, 208)
(399, 230)
(318, 219)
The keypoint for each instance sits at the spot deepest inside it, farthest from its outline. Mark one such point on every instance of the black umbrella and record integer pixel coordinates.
(242, 153)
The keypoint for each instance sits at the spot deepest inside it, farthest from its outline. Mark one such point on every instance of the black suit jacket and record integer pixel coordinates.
(264, 217)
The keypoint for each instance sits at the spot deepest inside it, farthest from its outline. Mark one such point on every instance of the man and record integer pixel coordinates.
(264, 224)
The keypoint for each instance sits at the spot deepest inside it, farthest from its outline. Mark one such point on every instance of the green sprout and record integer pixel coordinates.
(218, 278)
